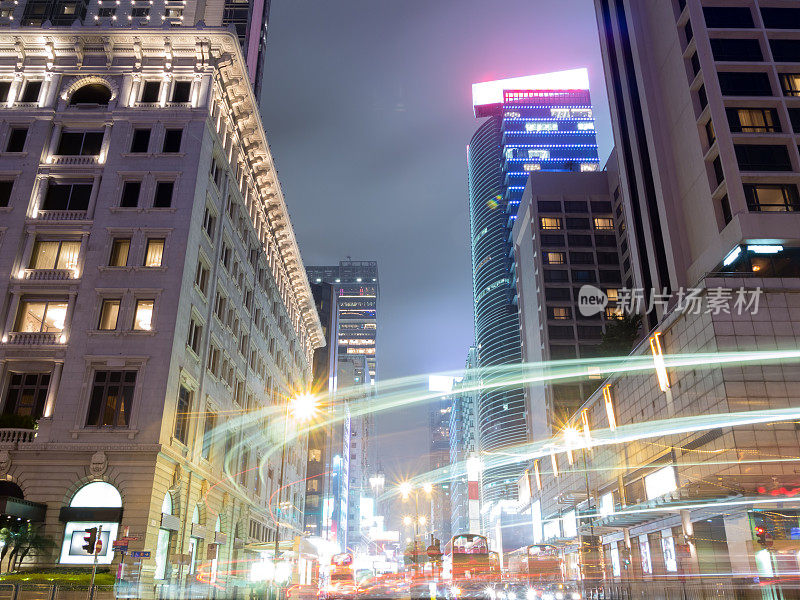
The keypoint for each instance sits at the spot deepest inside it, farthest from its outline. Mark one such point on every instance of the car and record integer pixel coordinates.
(302, 592)
(340, 587)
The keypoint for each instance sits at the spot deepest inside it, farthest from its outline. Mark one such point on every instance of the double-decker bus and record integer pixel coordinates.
(539, 563)
(466, 556)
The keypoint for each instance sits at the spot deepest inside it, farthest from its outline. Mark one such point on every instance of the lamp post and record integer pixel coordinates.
(406, 490)
(304, 407)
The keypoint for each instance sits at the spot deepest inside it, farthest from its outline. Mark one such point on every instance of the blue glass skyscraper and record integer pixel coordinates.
(540, 122)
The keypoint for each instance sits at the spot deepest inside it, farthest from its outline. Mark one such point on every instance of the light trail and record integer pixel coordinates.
(256, 431)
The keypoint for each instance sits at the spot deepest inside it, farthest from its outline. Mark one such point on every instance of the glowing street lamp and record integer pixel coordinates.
(405, 489)
(407, 521)
(304, 407)
(427, 488)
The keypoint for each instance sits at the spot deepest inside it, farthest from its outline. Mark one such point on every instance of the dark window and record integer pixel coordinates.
(725, 206)
(556, 294)
(744, 84)
(590, 332)
(182, 414)
(785, 50)
(93, 93)
(140, 140)
(208, 433)
(141, 11)
(579, 240)
(781, 18)
(67, 196)
(151, 91)
(550, 239)
(130, 194)
(16, 139)
(31, 91)
(606, 241)
(26, 394)
(111, 399)
(581, 258)
(181, 91)
(695, 62)
(549, 206)
(768, 157)
(555, 275)
(610, 276)
(794, 117)
(106, 11)
(583, 276)
(687, 31)
(744, 50)
(5, 88)
(702, 97)
(601, 206)
(163, 197)
(172, 140)
(719, 175)
(578, 223)
(753, 120)
(763, 197)
(5, 191)
(575, 206)
(723, 17)
(607, 258)
(562, 352)
(560, 332)
(80, 143)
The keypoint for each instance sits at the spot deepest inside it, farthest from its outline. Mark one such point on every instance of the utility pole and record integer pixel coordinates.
(99, 541)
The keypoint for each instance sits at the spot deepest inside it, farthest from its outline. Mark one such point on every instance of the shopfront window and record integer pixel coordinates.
(96, 497)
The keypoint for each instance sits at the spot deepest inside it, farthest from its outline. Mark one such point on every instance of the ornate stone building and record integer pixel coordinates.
(136, 183)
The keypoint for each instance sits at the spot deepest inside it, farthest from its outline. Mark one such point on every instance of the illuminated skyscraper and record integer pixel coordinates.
(535, 123)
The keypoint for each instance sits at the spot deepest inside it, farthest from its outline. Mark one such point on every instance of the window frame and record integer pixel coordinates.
(102, 405)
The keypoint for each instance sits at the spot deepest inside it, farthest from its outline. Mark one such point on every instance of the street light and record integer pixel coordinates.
(303, 406)
(407, 521)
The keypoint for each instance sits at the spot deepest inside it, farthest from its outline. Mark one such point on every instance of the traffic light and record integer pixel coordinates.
(761, 536)
(90, 540)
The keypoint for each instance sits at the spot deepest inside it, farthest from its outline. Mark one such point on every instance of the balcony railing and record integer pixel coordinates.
(49, 274)
(16, 436)
(61, 215)
(18, 338)
(74, 160)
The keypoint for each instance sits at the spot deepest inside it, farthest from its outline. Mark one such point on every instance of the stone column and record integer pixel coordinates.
(52, 390)
(30, 238)
(56, 136)
(70, 312)
(93, 198)
(104, 145)
(13, 307)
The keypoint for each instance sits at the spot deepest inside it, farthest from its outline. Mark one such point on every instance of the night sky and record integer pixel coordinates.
(367, 107)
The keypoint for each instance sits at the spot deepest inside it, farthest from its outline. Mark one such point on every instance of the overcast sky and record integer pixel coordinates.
(367, 107)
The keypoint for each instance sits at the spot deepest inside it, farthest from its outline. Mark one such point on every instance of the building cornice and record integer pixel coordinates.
(92, 50)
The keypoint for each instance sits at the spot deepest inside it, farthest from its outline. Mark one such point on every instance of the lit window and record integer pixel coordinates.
(554, 258)
(143, 319)
(606, 223)
(41, 316)
(538, 154)
(585, 125)
(155, 253)
(55, 255)
(560, 313)
(550, 222)
(119, 252)
(614, 312)
(589, 167)
(108, 315)
(613, 294)
(541, 126)
(531, 167)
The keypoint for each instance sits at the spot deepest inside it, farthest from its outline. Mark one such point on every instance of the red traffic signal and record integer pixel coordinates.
(91, 541)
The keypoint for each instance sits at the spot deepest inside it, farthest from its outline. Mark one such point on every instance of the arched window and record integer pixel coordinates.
(97, 494)
(196, 515)
(91, 93)
(10, 489)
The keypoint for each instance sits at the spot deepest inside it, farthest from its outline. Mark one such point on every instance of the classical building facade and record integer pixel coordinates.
(138, 187)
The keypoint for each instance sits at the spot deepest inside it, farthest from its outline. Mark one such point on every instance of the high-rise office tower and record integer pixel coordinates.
(565, 238)
(540, 122)
(356, 289)
(154, 307)
(463, 445)
(248, 17)
(704, 105)
(439, 454)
